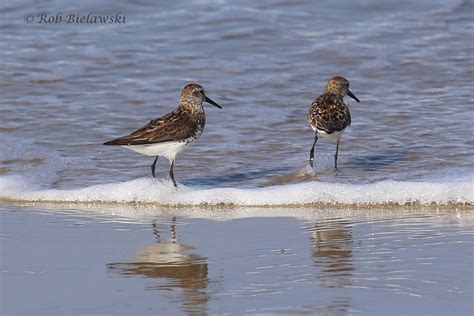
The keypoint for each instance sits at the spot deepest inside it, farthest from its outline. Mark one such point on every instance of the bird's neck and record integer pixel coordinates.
(332, 95)
(192, 107)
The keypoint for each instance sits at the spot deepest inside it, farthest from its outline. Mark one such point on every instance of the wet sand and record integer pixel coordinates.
(125, 260)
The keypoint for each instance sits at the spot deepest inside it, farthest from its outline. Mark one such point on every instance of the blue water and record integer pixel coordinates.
(401, 205)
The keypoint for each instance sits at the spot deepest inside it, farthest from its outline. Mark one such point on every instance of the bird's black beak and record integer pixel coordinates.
(349, 93)
(212, 102)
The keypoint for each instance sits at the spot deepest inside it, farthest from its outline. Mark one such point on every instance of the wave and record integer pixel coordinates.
(458, 192)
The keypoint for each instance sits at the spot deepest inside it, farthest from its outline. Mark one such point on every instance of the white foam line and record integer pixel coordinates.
(145, 190)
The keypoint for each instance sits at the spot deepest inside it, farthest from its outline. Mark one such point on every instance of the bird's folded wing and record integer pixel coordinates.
(329, 116)
(173, 127)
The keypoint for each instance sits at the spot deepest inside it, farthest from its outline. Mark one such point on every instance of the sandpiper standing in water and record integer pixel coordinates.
(169, 134)
(329, 114)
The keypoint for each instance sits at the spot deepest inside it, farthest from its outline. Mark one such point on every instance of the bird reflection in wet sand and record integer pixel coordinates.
(170, 261)
(332, 252)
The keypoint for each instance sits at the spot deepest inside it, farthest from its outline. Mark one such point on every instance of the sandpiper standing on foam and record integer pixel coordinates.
(329, 114)
(169, 134)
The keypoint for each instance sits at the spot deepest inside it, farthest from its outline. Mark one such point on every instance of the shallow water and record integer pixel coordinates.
(340, 245)
(68, 88)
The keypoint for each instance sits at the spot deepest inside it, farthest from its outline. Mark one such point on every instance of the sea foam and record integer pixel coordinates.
(162, 192)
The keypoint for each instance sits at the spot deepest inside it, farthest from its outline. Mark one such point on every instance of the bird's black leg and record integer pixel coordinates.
(172, 174)
(311, 153)
(335, 156)
(153, 167)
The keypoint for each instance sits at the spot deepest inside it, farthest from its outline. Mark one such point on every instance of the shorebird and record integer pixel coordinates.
(168, 135)
(329, 114)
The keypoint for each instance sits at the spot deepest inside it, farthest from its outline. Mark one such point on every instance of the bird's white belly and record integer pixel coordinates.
(334, 136)
(166, 149)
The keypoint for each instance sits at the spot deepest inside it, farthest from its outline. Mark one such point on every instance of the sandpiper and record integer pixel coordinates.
(329, 114)
(169, 134)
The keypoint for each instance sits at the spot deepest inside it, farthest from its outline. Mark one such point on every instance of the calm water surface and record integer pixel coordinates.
(68, 88)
